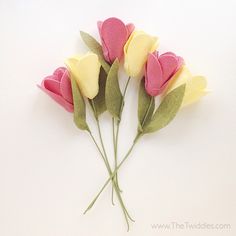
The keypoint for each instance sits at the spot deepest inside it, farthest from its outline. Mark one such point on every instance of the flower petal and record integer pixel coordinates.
(179, 78)
(180, 63)
(71, 64)
(153, 75)
(52, 84)
(99, 25)
(136, 52)
(114, 36)
(195, 89)
(59, 99)
(104, 47)
(65, 87)
(195, 85)
(58, 73)
(130, 28)
(169, 64)
(86, 70)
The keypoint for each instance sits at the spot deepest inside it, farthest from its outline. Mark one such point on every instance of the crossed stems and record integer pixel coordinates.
(137, 137)
(116, 134)
(113, 175)
(105, 159)
(111, 178)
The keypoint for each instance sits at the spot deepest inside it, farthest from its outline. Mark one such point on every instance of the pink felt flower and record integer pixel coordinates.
(58, 87)
(114, 34)
(159, 70)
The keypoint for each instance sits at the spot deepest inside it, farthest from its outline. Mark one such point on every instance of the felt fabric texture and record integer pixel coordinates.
(195, 85)
(58, 87)
(85, 69)
(114, 34)
(159, 71)
(136, 51)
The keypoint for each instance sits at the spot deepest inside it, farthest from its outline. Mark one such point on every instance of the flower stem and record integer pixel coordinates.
(102, 143)
(116, 136)
(125, 212)
(105, 158)
(105, 155)
(115, 171)
(114, 146)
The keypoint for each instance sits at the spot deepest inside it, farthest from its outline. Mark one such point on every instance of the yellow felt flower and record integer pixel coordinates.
(136, 51)
(195, 85)
(85, 69)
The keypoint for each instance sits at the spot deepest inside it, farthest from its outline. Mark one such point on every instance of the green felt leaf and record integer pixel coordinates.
(167, 110)
(96, 48)
(113, 94)
(99, 101)
(146, 106)
(79, 107)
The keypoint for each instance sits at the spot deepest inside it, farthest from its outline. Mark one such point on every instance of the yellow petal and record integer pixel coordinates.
(180, 77)
(136, 52)
(195, 85)
(195, 89)
(86, 70)
(71, 64)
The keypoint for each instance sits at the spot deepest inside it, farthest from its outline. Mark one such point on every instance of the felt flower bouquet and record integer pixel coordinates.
(94, 77)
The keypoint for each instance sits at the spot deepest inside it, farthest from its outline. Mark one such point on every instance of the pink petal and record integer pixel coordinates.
(59, 99)
(104, 47)
(153, 76)
(180, 63)
(169, 64)
(50, 83)
(169, 54)
(65, 87)
(130, 28)
(180, 59)
(58, 73)
(99, 25)
(105, 52)
(114, 36)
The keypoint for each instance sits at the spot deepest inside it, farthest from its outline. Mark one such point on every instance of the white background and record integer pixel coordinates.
(49, 170)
